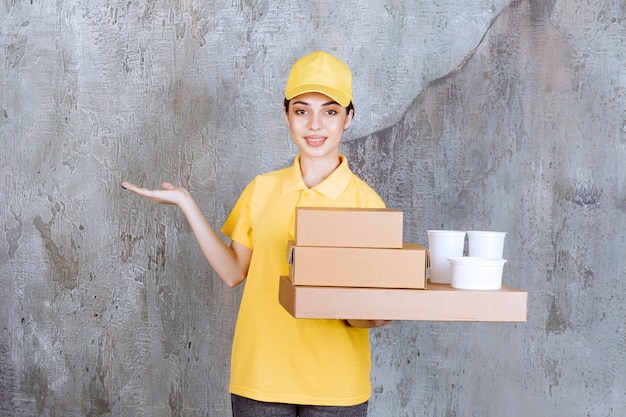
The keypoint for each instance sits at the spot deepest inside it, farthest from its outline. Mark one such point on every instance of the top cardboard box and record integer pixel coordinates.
(349, 227)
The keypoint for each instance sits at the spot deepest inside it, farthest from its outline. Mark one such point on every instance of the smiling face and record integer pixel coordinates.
(316, 123)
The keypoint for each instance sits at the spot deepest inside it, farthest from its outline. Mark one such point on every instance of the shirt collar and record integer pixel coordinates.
(331, 187)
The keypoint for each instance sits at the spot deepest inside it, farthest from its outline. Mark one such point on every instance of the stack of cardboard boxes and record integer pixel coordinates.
(353, 264)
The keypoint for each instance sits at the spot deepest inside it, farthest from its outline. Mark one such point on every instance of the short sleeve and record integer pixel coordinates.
(238, 226)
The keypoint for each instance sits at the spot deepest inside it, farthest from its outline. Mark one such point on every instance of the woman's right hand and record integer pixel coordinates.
(230, 262)
(168, 194)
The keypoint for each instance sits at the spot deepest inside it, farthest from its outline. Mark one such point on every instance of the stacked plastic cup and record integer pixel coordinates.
(481, 244)
(442, 245)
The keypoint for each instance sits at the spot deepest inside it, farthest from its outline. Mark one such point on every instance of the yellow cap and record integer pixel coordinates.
(320, 72)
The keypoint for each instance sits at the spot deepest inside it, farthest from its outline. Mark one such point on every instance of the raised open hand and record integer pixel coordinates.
(168, 194)
(230, 262)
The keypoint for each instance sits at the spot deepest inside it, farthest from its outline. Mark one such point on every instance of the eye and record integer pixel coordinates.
(331, 112)
(300, 111)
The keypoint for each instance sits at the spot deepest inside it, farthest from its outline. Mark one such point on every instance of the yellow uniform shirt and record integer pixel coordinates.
(277, 358)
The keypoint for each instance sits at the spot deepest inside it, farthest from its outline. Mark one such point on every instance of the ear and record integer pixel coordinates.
(286, 115)
(348, 119)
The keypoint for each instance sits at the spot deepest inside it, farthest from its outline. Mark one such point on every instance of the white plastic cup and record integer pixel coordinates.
(482, 244)
(469, 273)
(443, 244)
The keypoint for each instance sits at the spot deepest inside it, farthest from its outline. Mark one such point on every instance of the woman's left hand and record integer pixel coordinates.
(368, 324)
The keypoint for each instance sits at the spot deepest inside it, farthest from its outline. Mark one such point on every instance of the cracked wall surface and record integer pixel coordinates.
(469, 115)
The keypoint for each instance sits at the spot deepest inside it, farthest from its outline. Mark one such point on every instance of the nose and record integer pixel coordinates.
(315, 121)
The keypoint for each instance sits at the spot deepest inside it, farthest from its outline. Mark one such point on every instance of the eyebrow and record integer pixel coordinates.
(330, 103)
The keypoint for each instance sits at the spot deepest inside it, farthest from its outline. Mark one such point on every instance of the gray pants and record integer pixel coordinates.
(245, 407)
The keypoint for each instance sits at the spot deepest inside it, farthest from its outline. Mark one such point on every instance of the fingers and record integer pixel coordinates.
(128, 186)
(133, 187)
(168, 194)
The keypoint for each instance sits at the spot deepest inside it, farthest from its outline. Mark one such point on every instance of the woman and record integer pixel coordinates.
(282, 366)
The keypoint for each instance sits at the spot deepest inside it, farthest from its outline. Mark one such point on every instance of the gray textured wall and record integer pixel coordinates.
(470, 114)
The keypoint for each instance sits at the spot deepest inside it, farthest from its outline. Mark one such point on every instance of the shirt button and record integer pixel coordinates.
(306, 196)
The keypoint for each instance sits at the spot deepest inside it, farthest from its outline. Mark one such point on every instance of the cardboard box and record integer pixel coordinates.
(440, 302)
(358, 267)
(349, 227)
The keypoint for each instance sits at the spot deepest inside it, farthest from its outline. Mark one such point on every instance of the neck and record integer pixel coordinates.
(314, 170)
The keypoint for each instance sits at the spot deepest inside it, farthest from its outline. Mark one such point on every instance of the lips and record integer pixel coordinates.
(315, 141)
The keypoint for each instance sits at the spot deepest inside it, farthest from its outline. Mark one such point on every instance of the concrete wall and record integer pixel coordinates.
(470, 115)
